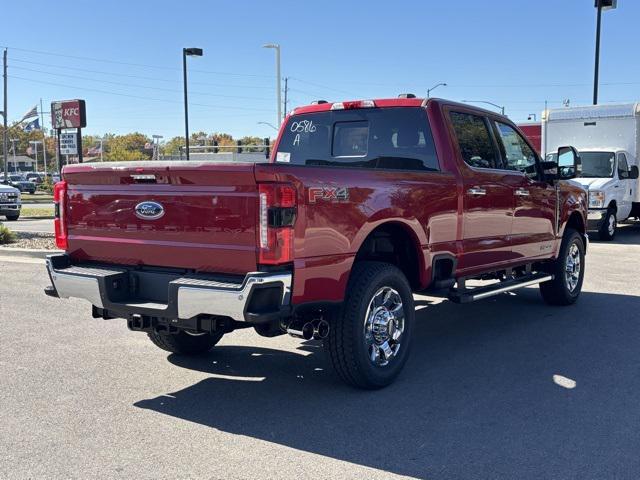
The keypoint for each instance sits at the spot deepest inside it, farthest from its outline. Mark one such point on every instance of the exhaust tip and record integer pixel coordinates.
(321, 330)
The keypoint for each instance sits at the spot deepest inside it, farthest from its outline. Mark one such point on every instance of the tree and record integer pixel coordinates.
(127, 147)
(173, 146)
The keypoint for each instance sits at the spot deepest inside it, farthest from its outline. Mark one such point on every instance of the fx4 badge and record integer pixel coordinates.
(328, 194)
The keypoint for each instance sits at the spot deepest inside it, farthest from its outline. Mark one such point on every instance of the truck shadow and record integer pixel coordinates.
(627, 234)
(477, 398)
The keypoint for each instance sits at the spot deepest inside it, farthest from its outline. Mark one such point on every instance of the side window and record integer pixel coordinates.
(474, 140)
(623, 166)
(517, 153)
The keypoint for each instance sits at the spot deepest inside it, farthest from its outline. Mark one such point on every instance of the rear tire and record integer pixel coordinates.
(13, 218)
(568, 272)
(609, 226)
(185, 344)
(370, 338)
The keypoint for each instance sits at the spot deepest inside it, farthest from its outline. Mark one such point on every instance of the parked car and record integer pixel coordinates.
(362, 204)
(35, 177)
(19, 182)
(608, 141)
(10, 202)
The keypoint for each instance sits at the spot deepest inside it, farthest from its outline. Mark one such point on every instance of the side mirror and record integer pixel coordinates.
(633, 172)
(569, 164)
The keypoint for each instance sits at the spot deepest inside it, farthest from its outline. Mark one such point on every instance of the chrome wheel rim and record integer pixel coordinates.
(384, 326)
(572, 267)
(612, 224)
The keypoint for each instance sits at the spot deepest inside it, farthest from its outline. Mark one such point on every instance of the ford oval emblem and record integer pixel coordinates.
(149, 210)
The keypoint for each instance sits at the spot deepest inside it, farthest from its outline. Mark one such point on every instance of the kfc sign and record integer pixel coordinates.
(68, 114)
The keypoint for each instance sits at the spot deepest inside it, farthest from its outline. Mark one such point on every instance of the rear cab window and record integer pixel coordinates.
(375, 138)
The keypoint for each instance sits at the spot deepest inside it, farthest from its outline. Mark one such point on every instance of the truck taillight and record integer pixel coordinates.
(353, 104)
(60, 222)
(277, 215)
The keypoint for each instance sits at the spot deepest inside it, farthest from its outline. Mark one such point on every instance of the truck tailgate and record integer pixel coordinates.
(206, 214)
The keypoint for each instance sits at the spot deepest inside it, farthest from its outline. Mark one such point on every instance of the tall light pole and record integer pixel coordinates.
(44, 140)
(35, 144)
(488, 103)
(429, 90)
(5, 133)
(600, 6)
(101, 140)
(157, 149)
(13, 147)
(278, 88)
(187, 52)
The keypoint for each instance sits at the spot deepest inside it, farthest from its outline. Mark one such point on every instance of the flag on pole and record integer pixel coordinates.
(31, 113)
(32, 125)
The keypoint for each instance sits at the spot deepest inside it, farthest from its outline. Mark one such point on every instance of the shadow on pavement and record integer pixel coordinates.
(627, 234)
(476, 400)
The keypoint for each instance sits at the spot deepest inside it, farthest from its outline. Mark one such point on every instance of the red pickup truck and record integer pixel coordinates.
(361, 204)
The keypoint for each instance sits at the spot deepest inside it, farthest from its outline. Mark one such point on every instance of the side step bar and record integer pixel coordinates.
(467, 295)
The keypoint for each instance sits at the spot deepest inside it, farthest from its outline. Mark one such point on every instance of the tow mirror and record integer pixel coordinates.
(568, 165)
(633, 172)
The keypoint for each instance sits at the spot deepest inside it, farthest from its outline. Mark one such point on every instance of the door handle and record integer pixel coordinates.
(521, 192)
(477, 191)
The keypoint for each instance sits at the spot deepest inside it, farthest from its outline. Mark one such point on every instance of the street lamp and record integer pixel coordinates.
(101, 140)
(488, 103)
(278, 93)
(429, 90)
(268, 124)
(13, 147)
(532, 115)
(187, 52)
(600, 5)
(157, 138)
(35, 143)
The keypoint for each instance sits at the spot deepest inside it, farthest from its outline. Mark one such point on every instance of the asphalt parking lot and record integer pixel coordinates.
(36, 225)
(83, 398)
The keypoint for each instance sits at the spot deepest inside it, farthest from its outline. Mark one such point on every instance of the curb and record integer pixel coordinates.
(27, 252)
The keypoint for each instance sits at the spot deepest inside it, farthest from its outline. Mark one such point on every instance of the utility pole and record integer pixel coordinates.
(286, 94)
(5, 133)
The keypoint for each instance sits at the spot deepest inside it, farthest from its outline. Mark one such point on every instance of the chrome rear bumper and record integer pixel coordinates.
(258, 296)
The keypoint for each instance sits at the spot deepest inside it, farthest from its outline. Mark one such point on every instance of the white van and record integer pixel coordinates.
(608, 140)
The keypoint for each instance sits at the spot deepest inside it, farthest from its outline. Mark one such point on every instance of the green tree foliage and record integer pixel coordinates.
(172, 147)
(126, 147)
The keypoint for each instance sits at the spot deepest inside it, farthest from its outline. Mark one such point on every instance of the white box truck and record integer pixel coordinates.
(608, 140)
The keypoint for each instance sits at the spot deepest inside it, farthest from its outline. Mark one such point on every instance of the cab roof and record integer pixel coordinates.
(379, 103)
(389, 103)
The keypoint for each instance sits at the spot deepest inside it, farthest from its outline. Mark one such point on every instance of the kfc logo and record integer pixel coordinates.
(68, 114)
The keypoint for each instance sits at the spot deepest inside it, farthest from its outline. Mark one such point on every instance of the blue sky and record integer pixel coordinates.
(124, 58)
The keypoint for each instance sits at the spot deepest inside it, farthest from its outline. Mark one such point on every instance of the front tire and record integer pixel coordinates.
(609, 226)
(370, 338)
(184, 343)
(568, 272)
(13, 218)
